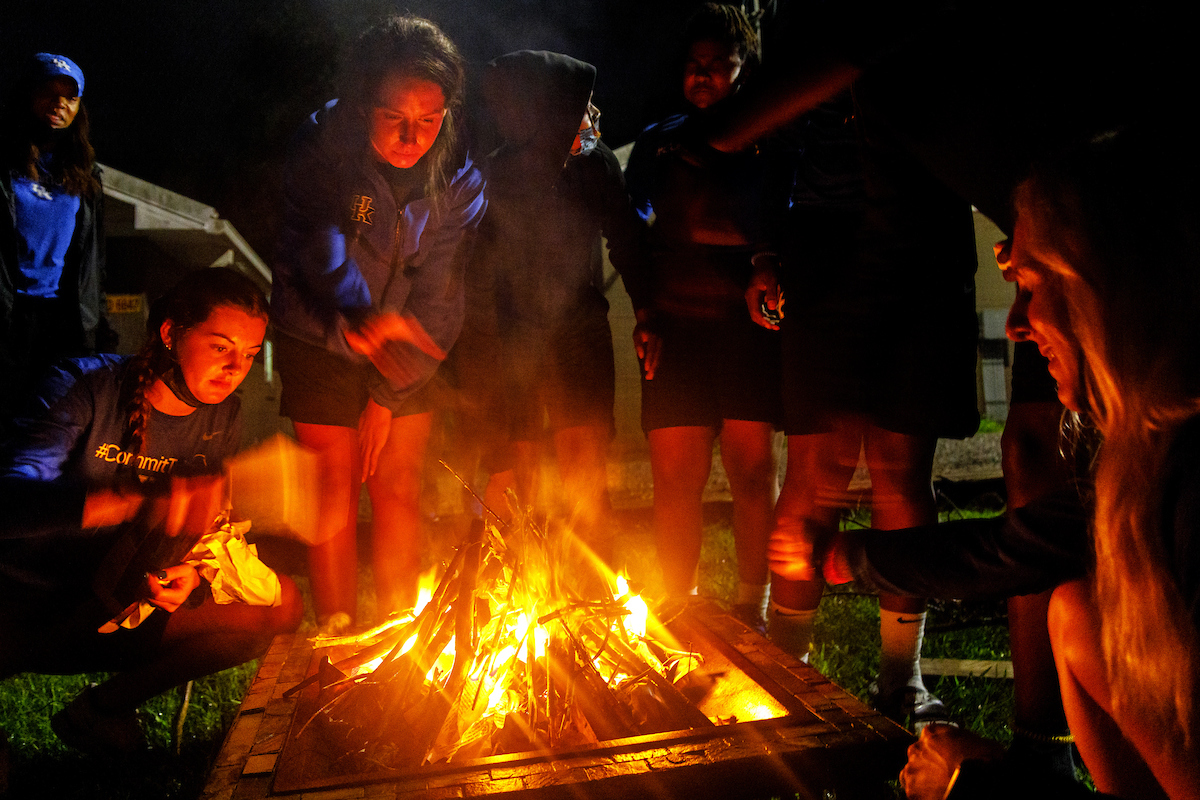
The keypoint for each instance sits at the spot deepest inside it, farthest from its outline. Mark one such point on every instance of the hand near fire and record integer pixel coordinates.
(803, 550)
(647, 343)
(764, 298)
(105, 507)
(195, 503)
(372, 337)
(170, 587)
(935, 758)
(374, 426)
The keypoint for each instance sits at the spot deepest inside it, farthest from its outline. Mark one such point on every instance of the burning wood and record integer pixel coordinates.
(527, 643)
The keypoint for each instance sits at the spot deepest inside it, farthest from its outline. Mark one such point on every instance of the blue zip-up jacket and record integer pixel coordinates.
(347, 251)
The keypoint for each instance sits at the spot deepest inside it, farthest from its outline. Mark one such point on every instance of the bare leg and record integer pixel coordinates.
(901, 470)
(395, 491)
(819, 469)
(495, 493)
(680, 460)
(748, 454)
(1127, 755)
(528, 473)
(200, 641)
(333, 564)
(582, 455)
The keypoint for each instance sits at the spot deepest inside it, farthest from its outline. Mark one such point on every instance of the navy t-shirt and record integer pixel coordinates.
(72, 441)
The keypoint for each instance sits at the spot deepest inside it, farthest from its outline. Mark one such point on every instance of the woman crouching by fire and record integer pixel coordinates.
(1106, 258)
(381, 202)
(119, 460)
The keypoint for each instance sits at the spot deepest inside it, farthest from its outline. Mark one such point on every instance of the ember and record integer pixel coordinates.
(527, 644)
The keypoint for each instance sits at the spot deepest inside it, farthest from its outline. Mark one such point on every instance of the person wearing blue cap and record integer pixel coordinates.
(51, 231)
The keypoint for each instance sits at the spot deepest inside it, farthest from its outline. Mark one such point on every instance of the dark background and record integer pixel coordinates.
(200, 97)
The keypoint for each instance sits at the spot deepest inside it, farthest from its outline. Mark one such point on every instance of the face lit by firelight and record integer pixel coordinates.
(711, 72)
(216, 355)
(1039, 312)
(406, 119)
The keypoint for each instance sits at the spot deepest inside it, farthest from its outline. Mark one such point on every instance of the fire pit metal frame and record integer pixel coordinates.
(842, 748)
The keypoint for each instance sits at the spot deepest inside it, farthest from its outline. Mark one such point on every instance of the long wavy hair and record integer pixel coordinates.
(22, 137)
(414, 47)
(1126, 221)
(188, 304)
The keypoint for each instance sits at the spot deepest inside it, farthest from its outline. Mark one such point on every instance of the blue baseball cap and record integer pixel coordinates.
(45, 66)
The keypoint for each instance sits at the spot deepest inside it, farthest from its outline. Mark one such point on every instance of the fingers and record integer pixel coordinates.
(372, 446)
(648, 346)
(171, 587)
(380, 330)
(358, 343)
(763, 302)
(653, 354)
(195, 504)
(374, 427)
(789, 553)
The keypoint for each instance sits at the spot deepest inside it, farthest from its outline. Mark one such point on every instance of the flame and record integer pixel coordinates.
(533, 642)
(639, 612)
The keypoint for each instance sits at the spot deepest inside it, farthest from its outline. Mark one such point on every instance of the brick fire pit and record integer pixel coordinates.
(827, 745)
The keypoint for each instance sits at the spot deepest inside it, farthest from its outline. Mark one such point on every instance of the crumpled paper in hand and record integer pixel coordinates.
(232, 568)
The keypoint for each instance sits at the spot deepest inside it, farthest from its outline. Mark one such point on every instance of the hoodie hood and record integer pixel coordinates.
(538, 99)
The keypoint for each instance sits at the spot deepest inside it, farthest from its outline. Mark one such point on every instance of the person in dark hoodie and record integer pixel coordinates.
(535, 285)
(707, 368)
(381, 203)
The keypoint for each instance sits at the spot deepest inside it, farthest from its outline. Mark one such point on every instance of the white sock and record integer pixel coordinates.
(754, 594)
(792, 629)
(900, 650)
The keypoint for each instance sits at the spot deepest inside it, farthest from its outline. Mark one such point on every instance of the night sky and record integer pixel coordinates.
(200, 97)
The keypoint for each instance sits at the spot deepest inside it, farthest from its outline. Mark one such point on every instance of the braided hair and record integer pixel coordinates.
(188, 304)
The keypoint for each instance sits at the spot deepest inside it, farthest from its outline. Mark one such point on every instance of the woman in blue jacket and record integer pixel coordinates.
(381, 200)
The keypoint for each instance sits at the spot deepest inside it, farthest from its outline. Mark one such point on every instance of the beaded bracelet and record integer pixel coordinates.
(1068, 738)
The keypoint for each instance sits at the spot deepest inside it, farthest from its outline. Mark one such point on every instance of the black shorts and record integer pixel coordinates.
(323, 388)
(908, 369)
(713, 370)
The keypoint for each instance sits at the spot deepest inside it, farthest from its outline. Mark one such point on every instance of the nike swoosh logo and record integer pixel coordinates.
(204, 437)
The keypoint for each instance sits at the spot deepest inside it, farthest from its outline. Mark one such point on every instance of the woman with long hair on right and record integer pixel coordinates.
(1106, 257)
(1114, 233)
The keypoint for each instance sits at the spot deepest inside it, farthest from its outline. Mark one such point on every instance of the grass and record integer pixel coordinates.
(42, 767)
(847, 650)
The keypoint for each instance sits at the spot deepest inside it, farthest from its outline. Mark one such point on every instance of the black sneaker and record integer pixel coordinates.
(83, 726)
(912, 707)
(750, 615)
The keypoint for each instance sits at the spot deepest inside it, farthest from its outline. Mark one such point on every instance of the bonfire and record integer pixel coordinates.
(527, 643)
